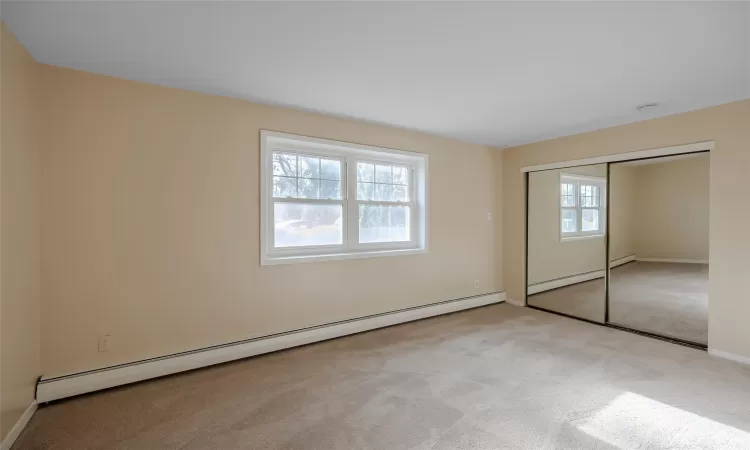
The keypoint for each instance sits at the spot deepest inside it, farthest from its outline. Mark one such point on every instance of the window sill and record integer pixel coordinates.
(581, 238)
(273, 261)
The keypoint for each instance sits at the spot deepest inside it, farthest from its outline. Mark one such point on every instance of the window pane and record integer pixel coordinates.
(590, 196)
(365, 191)
(569, 222)
(365, 172)
(300, 177)
(384, 223)
(308, 188)
(399, 175)
(330, 190)
(383, 174)
(299, 224)
(284, 165)
(400, 193)
(308, 167)
(284, 187)
(567, 194)
(384, 192)
(590, 220)
(330, 169)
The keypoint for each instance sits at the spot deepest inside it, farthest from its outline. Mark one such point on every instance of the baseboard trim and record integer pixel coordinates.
(575, 279)
(565, 281)
(75, 384)
(10, 439)
(624, 260)
(510, 301)
(729, 356)
(669, 260)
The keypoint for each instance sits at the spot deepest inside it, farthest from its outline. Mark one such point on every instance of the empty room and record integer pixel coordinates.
(374, 225)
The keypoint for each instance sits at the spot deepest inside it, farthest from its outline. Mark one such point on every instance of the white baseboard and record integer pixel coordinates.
(566, 281)
(729, 356)
(10, 439)
(513, 302)
(554, 284)
(621, 261)
(668, 260)
(81, 383)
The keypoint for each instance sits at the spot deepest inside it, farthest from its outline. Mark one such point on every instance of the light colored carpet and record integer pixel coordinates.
(499, 377)
(664, 298)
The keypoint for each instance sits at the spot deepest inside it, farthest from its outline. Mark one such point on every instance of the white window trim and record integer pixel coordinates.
(601, 182)
(271, 141)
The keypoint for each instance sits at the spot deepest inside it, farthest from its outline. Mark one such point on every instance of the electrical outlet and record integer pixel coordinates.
(489, 216)
(476, 284)
(104, 341)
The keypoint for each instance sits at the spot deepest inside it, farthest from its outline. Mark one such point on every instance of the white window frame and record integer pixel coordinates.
(349, 155)
(578, 180)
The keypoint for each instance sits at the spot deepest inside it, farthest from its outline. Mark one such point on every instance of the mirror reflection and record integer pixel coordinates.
(659, 246)
(566, 241)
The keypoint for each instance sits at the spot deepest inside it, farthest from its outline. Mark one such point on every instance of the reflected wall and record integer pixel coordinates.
(566, 241)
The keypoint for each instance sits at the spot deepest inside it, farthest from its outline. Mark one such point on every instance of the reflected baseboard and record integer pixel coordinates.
(575, 279)
(624, 260)
(562, 282)
(669, 260)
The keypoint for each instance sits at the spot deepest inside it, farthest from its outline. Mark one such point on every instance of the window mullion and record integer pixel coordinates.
(352, 209)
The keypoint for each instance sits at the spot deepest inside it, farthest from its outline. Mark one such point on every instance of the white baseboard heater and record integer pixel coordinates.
(49, 389)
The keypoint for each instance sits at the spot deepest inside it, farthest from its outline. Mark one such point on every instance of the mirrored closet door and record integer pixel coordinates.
(623, 244)
(566, 243)
(658, 250)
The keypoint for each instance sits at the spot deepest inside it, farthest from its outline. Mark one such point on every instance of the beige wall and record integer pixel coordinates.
(672, 200)
(729, 126)
(622, 186)
(151, 230)
(20, 236)
(497, 221)
(550, 257)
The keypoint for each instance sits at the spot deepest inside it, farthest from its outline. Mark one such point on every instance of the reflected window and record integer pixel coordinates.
(581, 206)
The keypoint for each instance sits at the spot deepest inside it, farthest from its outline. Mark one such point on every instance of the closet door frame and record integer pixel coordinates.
(700, 147)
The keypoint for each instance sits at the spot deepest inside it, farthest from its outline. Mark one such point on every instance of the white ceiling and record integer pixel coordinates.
(493, 73)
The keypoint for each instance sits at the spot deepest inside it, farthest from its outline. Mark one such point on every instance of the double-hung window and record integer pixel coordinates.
(325, 199)
(582, 206)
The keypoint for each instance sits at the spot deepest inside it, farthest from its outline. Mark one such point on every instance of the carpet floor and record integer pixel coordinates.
(664, 298)
(498, 377)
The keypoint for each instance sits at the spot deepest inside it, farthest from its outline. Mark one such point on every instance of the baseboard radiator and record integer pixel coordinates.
(49, 389)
